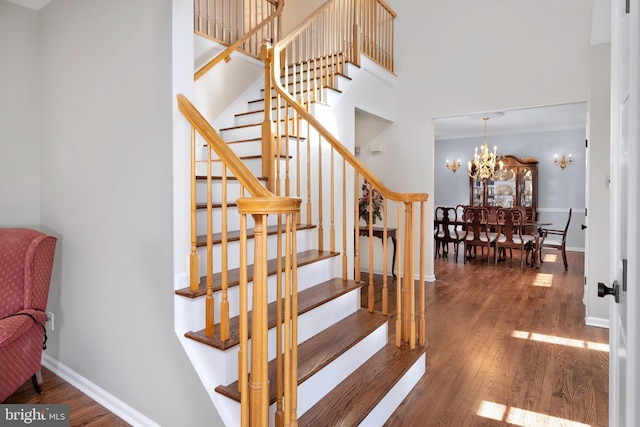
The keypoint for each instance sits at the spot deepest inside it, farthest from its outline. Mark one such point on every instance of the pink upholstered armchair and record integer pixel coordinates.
(26, 261)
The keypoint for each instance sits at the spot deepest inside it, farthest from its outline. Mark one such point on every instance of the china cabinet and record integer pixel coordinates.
(516, 185)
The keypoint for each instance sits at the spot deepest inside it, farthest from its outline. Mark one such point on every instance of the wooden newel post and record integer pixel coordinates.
(259, 378)
(258, 386)
(408, 294)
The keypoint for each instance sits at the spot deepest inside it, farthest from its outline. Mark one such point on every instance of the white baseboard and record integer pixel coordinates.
(104, 398)
(598, 322)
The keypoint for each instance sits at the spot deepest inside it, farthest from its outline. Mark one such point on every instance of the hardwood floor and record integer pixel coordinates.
(508, 347)
(83, 411)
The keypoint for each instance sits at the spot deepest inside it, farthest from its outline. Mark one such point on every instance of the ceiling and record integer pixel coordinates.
(525, 120)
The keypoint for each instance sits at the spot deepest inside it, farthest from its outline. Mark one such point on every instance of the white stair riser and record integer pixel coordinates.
(342, 83)
(298, 87)
(326, 95)
(254, 165)
(233, 190)
(309, 324)
(193, 309)
(321, 383)
(242, 133)
(233, 220)
(386, 407)
(255, 131)
(303, 239)
(258, 115)
(250, 146)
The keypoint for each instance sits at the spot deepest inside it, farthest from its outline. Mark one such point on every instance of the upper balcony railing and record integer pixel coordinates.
(242, 25)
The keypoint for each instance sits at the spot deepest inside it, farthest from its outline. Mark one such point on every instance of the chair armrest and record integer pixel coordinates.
(545, 231)
(15, 325)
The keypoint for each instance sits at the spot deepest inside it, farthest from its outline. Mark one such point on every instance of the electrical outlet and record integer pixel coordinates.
(50, 319)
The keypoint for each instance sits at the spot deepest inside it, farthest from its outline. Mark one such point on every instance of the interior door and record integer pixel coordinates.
(623, 357)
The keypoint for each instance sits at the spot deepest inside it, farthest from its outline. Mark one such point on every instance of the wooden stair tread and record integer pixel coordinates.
(229, 178)
(219, 160)
(240, 126)
(248, 125)
(307, 300)
(240, 141)
(244, 158)
(354, 398)
(325, 87)
(233, 275)
(216, 205)
(321, 349)
(233, 236)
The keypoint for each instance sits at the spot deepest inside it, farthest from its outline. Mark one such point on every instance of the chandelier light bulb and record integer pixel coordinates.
(485, 164)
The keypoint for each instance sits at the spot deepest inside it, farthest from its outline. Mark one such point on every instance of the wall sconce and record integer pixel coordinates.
(453, 166)
(563, 162)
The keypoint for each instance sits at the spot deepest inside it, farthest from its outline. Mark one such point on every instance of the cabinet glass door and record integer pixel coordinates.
(478, 193)
(504, 189)
(526, 187)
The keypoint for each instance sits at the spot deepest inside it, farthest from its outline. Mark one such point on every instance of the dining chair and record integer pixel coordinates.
(511, 235)
(555, 239)
(477, 231)
(446, 230)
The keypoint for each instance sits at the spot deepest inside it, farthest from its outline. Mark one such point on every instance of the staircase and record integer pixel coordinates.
(346, 370)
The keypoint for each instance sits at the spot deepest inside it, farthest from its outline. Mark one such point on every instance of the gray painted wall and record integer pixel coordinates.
(99, 74)
(558, 190)
(19, 117)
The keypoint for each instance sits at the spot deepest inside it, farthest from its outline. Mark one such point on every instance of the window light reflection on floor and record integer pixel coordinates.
(543, 279)
(550, 257)
(550, 339)
(522, 417)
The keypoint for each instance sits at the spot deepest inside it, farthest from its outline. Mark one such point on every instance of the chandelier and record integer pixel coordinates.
(485, 165)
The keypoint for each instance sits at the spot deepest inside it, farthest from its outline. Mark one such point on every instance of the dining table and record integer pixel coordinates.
(533, 228)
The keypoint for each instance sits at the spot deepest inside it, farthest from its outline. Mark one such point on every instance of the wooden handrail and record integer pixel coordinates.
(387, 8)
(226, 54)
(232, 161)
(337, 145)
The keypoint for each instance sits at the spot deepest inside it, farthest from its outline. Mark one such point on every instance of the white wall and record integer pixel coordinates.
(19, 117)
(213, 94)
(465, 56)
(106, 193)
(598, 233)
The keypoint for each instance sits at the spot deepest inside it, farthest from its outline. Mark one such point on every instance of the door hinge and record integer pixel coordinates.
(586, 143)
(627, 7)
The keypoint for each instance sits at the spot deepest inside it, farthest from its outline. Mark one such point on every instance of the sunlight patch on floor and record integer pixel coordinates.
(543, 279)
(550, 257)
(522, 417)
(550, 339)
